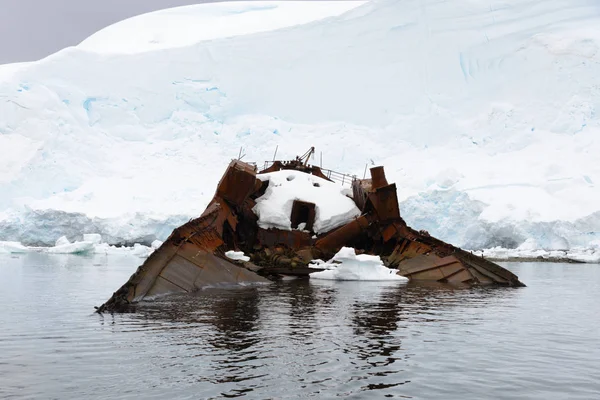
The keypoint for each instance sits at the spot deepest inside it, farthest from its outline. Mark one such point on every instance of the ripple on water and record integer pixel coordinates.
(298, 339)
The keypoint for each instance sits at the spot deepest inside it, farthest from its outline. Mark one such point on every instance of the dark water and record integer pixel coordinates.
(297, 339)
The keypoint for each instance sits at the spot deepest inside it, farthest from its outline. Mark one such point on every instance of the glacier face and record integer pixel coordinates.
(484, 114)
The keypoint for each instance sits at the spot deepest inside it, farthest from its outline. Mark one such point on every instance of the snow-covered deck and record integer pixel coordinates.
(333, 203)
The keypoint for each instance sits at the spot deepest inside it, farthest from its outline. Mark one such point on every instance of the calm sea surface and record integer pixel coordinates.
(297, 339)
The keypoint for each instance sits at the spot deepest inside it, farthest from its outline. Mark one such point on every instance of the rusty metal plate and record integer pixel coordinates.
(385, 202)
(162, 286)
(237, 183)
(215, 270)
(181, 272)
(293, 239)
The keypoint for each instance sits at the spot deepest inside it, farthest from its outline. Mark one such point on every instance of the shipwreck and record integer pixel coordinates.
(287, 214)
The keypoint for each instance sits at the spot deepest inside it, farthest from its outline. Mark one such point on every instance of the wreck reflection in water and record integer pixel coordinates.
(297, 339)
(325, 336)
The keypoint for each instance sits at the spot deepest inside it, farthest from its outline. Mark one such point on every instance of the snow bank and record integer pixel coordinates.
(483, 113)
(184, 26)
(237, 255)
(347, 266)
(333, 208)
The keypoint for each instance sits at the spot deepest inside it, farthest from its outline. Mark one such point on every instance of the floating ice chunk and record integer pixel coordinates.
(137, 250)
(526, 251)
(92, 237)
(62, 241)
(355, 268)
(156, 244)
(12, 247)
(84, 247)
(141, 251)
(63, 247)
(68, 248)
(237, 255)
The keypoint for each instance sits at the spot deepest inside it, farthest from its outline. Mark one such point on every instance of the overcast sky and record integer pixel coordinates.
(33, 29)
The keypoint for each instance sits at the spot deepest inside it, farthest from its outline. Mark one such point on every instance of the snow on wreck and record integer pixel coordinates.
(276, 221)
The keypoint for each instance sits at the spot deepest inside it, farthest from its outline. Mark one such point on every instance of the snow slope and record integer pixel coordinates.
(484, 113)
(184, 26)
(8, 70)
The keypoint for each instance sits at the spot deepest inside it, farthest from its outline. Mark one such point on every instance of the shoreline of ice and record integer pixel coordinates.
(575, 255)
(91, 244)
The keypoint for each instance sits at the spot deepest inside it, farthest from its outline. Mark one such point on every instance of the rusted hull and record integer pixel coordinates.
(182, 265)
(193, 256)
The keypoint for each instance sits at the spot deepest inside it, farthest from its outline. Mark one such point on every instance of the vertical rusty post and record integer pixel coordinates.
(378, 178)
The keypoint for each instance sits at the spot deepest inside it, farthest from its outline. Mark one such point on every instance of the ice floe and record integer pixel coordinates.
(576, 254)
(237, 255)
(347, 266)
(92, 244)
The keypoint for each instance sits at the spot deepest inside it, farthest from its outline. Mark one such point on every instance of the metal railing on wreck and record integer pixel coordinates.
(338, 177)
